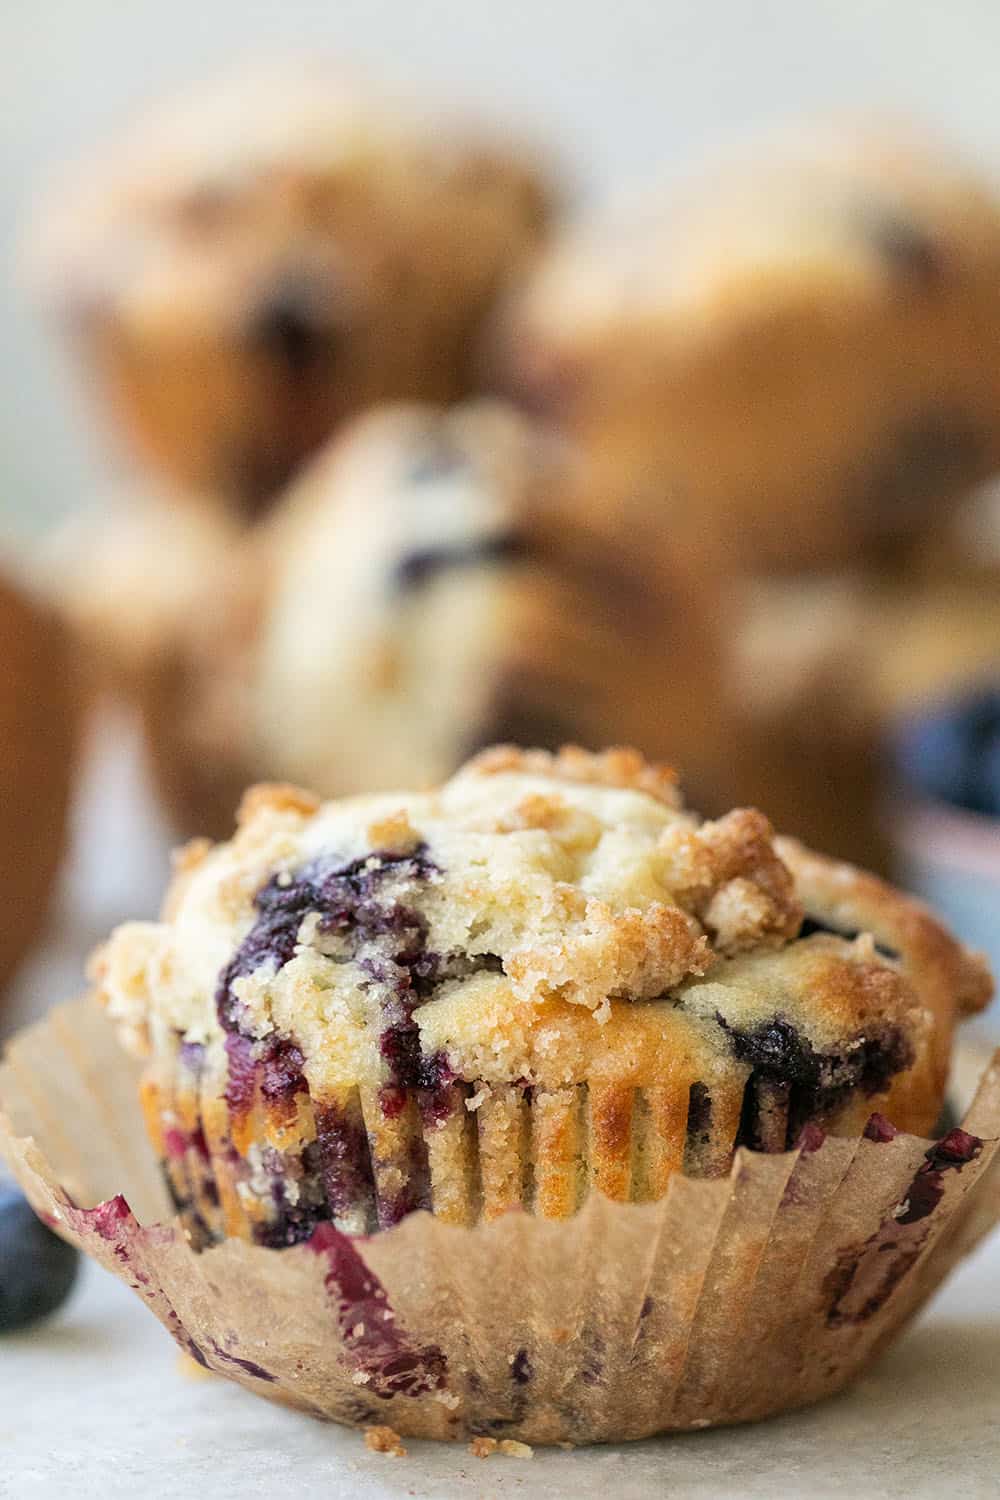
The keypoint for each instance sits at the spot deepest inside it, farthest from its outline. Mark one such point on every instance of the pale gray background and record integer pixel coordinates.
(622, 87)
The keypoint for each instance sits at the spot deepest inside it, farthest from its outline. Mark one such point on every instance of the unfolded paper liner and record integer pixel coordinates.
(726, 1301)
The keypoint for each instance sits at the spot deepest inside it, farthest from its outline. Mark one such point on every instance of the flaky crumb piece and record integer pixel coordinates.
(730, 875)
(616, 768)
(634, 954)
(274, 797)
(190, 855)
(393, 834)
(482, 1447)
(513, 1449)
(384, 1440)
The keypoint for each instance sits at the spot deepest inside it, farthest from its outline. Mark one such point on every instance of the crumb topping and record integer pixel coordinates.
(540, 919)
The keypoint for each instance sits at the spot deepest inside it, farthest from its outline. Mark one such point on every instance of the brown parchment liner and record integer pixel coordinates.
(728, 1300)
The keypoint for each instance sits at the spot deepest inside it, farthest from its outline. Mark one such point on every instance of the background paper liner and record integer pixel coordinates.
(726, 1301)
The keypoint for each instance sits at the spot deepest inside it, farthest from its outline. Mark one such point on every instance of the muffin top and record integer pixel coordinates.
(295, 170)
(855, 213)
(791, 355)
(538, 920)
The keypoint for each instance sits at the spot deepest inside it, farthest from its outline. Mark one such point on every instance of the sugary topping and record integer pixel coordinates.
(539, 919)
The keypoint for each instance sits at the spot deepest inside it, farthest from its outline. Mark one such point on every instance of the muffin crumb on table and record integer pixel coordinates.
(384, 1440)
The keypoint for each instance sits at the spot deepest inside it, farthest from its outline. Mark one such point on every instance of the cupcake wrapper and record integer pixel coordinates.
(726, 1301)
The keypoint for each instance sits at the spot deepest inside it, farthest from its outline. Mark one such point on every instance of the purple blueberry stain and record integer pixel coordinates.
(248, 1366)
(879, 1129)
(281, 1077)
(951, 1153)
(810, 1138)
(377, 1345)
(192, 1057)
(354, 900)
(521, 1368)
(897, 1239)
(177, 1143)
(358, 904)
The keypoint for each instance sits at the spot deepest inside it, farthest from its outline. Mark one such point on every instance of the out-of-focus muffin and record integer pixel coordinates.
(420, 592)
(929, 638)
(39, 703)
(272, 252)
(823, 666)
(799, 354)
(801, 682)
(427, 594)
(144, 588)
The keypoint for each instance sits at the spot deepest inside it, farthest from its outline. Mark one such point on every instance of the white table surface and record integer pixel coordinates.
(94, 1405)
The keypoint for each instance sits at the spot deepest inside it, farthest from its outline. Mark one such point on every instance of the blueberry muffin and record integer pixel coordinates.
(823, 666)
(798, 353)
(809, 718)
(542, 978)
(39, 703)
(274, 251)
(427, 595)
(419, 593)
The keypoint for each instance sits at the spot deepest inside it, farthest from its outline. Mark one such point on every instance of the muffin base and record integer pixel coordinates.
(726, 1301)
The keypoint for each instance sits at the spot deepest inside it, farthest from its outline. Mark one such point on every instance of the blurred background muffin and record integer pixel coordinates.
(39, 706)
(138, 584)
(795, 353)
(273, 251)
(423, 590)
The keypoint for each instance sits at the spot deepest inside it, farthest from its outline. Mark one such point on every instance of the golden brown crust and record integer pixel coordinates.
(274, 796)
(949, 980)
(618, 767)
(730, 875)
(854, 900)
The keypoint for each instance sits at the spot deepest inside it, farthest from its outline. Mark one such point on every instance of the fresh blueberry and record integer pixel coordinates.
(989, 776)
(952, 753)
(37, 1268)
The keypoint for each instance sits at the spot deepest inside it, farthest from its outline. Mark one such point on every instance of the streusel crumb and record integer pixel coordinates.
(384, 1440)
